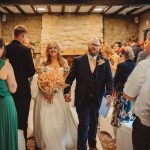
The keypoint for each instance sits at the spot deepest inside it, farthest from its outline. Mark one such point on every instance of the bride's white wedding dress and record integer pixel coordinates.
(55, 125)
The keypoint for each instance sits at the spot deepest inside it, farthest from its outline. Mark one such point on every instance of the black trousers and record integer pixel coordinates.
(22, 106)
(140, 135)
(87, 128)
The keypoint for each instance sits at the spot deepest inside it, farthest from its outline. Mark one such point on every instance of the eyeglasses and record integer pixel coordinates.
(95, 45)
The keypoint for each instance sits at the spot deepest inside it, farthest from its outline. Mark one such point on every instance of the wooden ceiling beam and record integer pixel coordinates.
(133, 10)
(106, 9)
(8, 10)
(33, 8)
(77, 9)
(91, 10)
(119, 10)
(20, 9)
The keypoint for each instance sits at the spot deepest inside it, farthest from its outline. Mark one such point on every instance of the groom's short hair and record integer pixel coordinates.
(19, 29)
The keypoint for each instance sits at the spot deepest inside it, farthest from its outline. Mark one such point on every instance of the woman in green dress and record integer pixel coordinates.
(8, 114)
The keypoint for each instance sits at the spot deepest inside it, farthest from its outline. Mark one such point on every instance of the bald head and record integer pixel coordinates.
(94, 41)
(93, 46)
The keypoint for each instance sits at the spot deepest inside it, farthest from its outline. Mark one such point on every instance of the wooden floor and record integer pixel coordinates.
(105, 140)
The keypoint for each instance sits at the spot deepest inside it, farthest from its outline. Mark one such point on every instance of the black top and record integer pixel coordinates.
(122, 73)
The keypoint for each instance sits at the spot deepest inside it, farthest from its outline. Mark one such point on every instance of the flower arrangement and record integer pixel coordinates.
(51, 83)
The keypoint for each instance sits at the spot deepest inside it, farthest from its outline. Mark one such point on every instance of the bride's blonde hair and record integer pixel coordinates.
(60, 59)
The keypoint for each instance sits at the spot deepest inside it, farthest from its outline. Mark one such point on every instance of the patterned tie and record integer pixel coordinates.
(92, 64)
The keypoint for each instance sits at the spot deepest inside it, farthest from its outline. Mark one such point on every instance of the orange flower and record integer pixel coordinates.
(51, 83)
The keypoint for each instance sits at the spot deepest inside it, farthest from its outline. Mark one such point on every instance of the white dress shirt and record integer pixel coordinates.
(138, 87)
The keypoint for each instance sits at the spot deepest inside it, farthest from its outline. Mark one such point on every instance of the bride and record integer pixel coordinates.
(55, 124)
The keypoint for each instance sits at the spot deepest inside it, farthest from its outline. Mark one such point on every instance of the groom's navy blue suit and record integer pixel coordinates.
(90, 88)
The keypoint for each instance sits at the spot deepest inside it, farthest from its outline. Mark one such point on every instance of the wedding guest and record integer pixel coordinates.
(124, 69)
(8, 114)
(117, 47)
(136, 49)
(122, 47)
(141, 44)
(143, 54)
(137, 90)
(21, 59)
(113, 58)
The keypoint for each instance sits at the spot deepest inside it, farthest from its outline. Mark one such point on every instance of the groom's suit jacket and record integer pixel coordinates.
(80, 71)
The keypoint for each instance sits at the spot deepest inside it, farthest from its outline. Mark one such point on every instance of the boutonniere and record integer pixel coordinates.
(100, 62)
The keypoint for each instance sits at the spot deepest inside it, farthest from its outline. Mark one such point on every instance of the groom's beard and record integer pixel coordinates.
(91, 53)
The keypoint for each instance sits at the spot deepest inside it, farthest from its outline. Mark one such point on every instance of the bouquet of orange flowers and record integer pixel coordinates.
(51, 83)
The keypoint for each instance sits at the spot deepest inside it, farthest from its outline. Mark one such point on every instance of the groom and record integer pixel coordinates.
(93, 79)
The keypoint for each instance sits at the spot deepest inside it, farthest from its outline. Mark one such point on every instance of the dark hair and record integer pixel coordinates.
(19, 29)
(1, 45)
(119, 44)
(1, 42)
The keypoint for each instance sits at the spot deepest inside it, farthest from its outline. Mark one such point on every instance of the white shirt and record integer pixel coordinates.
(138, 86)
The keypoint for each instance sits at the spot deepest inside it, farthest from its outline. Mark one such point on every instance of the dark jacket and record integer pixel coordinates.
(80, 71)
(21, 60)
(122, 73)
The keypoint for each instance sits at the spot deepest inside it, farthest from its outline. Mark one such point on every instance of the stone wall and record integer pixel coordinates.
(119, 29)
(33, 24)
(144, 24)
(70, 31)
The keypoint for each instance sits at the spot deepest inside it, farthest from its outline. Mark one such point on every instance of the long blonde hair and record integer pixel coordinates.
(60, 59)
(107, 50)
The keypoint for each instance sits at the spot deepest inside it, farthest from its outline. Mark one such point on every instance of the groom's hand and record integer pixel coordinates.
(67, 97)
(108, 100)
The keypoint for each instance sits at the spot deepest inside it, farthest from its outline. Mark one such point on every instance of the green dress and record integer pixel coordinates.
(8, 117)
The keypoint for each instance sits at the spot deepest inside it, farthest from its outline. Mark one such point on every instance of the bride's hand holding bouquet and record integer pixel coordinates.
(51, 83)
